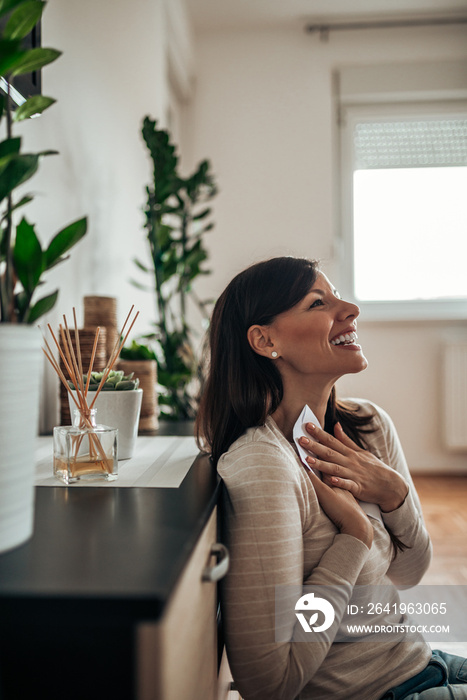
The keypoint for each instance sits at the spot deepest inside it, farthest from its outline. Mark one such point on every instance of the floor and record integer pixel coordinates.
(444, 505)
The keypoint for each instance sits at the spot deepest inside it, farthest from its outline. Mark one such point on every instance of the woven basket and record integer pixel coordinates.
(102, 311)
(146, 372)
(86, 342)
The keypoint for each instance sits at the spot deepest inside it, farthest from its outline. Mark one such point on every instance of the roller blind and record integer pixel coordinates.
(410, 144)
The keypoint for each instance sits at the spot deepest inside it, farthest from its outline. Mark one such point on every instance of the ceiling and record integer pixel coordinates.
(231, 14)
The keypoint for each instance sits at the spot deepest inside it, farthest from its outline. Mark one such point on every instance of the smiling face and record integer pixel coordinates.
(316, 338)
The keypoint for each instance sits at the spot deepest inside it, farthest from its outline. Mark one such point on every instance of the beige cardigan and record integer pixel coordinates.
(279, 536)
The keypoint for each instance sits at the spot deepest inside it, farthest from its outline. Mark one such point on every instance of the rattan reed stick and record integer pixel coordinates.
(72, 352)
(78, 349)
(74, 367)
(54, 362)
(81, 403)
(60, 373)
(114, 358)
(73, 364)
(85, 411)
(116, 352)
(65, 362)
(91, 362)
(71, 368)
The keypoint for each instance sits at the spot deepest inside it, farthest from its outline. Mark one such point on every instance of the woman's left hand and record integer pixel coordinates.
(346, 465)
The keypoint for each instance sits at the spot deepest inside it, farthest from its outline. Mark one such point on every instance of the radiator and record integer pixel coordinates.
(455, 395)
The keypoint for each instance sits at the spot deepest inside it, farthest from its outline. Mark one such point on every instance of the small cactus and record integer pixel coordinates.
(116, 381)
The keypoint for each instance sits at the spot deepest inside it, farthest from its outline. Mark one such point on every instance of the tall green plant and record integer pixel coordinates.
(177, 219)
(22, 259)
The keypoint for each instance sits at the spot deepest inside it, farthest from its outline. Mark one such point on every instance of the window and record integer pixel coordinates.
(404, 188)
(410, 209)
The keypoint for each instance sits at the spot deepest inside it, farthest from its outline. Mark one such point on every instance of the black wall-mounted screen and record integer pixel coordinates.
(30, 83)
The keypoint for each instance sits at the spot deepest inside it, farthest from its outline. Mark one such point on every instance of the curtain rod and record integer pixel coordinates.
(324, 28)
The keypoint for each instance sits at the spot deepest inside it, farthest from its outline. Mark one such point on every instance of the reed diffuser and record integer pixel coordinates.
(84, 450)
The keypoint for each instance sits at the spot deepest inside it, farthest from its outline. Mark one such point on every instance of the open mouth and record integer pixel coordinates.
(345, 339)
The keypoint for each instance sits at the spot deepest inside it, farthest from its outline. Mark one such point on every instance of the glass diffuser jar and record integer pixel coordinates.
(85, 451)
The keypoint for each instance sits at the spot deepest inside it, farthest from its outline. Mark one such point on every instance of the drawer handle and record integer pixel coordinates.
(219, 570)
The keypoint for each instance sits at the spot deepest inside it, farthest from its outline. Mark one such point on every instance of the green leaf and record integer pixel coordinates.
(23, 19)
(196, 257)
(28, 259)
(207, 228)
(64, 240)
(172, 379)
(141, 266)
(10, 55)
(6, 160)
(35, 105)
(21, 303)
(10, 146)
(24, 200)
(41, 307)
(18, 170)
(136, 351)
(202, 215)
(58, 261)
(7, 5)
(139, 285)
(164, 236)
(164, 159)
(8, 150)
(2, 244)
(34, 59)
(47, 153)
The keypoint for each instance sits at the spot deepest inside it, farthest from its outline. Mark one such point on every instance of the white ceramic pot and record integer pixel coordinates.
(118, 409)
(21, 365)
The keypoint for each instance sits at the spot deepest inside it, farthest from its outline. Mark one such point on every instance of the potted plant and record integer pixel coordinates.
(23, 262)
(118, 405)
(177, 219)
(140, 360)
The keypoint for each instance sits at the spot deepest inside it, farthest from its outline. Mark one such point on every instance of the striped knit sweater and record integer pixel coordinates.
(277, 536)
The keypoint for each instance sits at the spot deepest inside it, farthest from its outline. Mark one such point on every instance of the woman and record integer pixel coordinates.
(280, 338)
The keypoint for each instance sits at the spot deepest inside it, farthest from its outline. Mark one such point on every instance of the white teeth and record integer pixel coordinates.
(346, 339)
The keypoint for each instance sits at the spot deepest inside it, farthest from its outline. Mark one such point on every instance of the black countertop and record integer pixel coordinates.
(100, 562)
(113, 551)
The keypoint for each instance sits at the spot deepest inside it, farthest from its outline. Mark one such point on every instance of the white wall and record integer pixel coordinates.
(263, 113)
(114, 70)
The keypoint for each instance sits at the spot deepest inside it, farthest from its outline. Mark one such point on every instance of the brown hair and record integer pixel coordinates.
(243, 387)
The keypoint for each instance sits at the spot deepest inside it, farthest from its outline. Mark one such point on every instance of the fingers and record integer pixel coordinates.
(330, 468)
(327, 495)
(339, 449)
(344, 484)
(326, 439)
(340, 443)
(326, 455)
(334, 475)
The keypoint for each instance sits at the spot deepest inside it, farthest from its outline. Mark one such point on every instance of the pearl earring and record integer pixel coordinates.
(274, 354)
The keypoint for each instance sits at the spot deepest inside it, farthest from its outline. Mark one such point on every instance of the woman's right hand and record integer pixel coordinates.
(342, 508)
